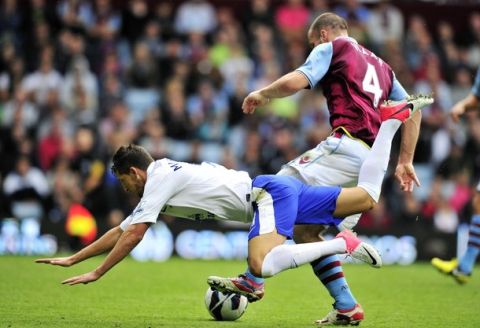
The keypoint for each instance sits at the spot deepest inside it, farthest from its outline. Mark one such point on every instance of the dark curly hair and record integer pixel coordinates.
(128, 156)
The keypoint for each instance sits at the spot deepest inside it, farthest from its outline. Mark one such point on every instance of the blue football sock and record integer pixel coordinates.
(468, 260)
(329, 270)
(255, 279)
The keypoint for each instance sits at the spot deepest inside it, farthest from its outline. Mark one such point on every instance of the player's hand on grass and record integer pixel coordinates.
(61, 261)
(82, 279)
(406, 176)
(252, 101)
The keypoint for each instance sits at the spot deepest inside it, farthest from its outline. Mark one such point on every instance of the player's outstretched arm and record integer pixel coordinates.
(285, 86)
(405, 172)
(125, 244)
(102, 245)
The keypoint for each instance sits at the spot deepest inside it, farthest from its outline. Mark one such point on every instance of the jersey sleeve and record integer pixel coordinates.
(125, 223)
(476, 85)
(317, 63)
(162, 185)
(398, 92)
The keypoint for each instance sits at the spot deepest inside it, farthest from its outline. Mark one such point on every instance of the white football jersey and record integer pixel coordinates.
(191, 191)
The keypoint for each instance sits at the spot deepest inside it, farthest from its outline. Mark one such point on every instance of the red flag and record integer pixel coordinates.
(81, 223)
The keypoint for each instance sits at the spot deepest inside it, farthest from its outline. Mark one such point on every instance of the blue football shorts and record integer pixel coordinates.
(280, 202)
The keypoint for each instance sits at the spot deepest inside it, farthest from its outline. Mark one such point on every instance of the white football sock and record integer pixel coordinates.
(289, 256)
(375, 165)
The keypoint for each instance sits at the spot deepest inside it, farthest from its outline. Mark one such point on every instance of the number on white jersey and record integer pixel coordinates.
(370, 84)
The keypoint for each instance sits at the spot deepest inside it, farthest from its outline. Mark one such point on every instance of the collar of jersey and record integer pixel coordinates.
(346, 37)
(150, 168)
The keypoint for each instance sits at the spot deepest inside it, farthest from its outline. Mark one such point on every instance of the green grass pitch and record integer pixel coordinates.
(170, 294)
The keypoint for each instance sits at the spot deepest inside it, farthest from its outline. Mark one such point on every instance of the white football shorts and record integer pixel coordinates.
(334, 162)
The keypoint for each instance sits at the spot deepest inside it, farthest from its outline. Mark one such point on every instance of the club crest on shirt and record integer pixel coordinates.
(305, 159)
(138, 209)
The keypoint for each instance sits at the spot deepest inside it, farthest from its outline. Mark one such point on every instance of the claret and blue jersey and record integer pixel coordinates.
(355, 82)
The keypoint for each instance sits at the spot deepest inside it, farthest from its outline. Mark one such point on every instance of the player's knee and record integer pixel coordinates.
(369, 203)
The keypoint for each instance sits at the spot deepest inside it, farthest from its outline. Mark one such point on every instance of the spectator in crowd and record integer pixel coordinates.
(474, 47)
(11, 20)
(280, 149)
(385, 23)
(236, 68)
(80, 92)
(11, 79)
(154, 138)
(196, 47)
(208, 109)
(357, 16)
(20, 109)
(54, 137)
(142, 76)
(318, 7)
(259, 13)
(174, 113)
(26, 189)
(106, 21)
(118, 128)
(134, 19)
(75, 14)
(41, 39)
(45, 79)
(251, 158)
(111, 84)
(195, 16)
(292, 20)
(37, 13)
(461, 84)
(89, 163)
(66, 189)
(163, 15)
(153, 38)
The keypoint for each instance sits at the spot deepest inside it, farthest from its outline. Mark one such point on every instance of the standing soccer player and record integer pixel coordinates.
(462, 270)
(354, 81)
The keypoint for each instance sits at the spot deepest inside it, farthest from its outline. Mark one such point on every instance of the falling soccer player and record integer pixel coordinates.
(275, 203)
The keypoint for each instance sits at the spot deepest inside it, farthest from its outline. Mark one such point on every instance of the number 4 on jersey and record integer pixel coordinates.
(370, 84)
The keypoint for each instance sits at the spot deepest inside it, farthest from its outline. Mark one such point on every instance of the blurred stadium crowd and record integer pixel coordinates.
(80, 78)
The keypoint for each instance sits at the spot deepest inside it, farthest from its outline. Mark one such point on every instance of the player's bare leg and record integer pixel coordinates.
(308, 233)
(259, 247)
(353, 200)
(247, 284)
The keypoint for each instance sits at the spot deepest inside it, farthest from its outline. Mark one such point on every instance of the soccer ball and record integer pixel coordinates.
(225, 306)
